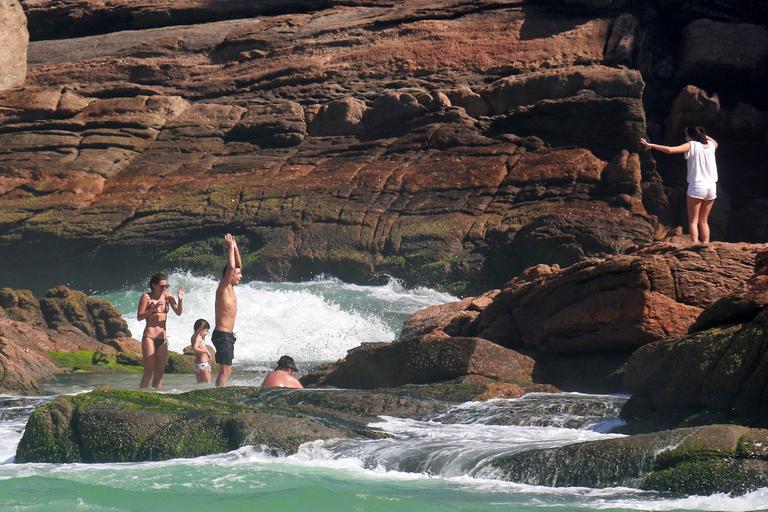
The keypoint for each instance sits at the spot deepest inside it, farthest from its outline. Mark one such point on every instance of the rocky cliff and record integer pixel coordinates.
(450, 143)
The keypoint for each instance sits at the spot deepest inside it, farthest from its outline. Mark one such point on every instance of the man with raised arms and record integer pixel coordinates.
(226, 311)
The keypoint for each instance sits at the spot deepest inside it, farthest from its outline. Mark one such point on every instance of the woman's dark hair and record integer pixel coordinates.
(201, 323)
(696, 133)
(156, 278)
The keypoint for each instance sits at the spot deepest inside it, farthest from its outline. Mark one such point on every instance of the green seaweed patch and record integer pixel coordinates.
(731, 476)
(678, 456)
(82, 361)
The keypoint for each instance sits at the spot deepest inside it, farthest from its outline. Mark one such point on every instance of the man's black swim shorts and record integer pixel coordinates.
(224, 342)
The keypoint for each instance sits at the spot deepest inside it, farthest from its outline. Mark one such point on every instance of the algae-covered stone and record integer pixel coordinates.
(101, 359)
(110, 425)
(97, 318)
(21, 305)
(702, 461)
(180, 363)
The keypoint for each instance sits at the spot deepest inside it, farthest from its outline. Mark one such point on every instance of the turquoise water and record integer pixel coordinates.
(435, 464)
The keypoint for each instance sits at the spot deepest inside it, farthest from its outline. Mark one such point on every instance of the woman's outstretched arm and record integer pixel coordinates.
(670, 150)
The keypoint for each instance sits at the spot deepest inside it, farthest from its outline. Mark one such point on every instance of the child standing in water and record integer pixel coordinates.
(202, 355)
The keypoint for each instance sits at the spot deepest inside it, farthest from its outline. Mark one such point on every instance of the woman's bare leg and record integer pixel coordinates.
(694, 206)
(148, 354)
(161, 360)
(706, 208)
(206, 376)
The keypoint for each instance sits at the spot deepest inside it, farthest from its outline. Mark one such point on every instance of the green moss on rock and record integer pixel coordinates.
(706, 477)
(88, 361)
(109, 425)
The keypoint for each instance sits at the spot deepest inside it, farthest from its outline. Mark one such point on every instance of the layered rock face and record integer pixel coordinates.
(450, 143)
(346, 138)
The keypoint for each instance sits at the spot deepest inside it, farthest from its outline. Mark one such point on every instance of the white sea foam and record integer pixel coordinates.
(314, 321)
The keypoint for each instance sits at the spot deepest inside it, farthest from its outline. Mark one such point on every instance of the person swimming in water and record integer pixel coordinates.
(282, 375)
(153, 307)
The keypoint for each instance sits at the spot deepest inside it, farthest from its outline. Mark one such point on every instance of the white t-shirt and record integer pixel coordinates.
(701, 162)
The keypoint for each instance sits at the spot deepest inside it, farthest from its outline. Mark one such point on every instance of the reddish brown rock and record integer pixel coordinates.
(601, 306)
(156, 141)
(13, 45)
(22, 368)
(723, 369)
(24, 361)
(428, 360)
(125, 345)
(338, 117)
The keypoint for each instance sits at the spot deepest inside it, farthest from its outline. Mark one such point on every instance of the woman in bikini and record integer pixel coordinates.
(153, 307)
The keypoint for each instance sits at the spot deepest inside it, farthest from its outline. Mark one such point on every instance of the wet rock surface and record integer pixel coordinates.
(109, 425)
(692, 461)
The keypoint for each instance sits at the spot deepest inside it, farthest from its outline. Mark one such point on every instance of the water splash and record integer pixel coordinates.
(314, 321)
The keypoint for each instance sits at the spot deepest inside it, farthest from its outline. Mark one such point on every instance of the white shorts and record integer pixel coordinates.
(706, 190)
(201, 367)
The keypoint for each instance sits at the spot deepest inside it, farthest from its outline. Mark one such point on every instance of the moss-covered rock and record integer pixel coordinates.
(101, 359)
(21, 305)
(129, 359)
(702, 461)
(97, 318)
(109, 425)
(91, 361)
(722, 369)
(180, 363)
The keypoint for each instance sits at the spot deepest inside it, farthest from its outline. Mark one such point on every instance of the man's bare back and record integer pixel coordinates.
(280, 379)
(282, 376)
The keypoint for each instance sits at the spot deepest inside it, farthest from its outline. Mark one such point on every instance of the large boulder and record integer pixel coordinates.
(722, 369)
(23, 370)
(339, 117)
(691, 461)
(109, 425)
(21, 305)
(615, 304)
(96, 317)
(14, 39)
(428, 360)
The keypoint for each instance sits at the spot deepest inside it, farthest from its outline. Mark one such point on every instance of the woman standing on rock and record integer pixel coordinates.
(153, 307)
(699, 151)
